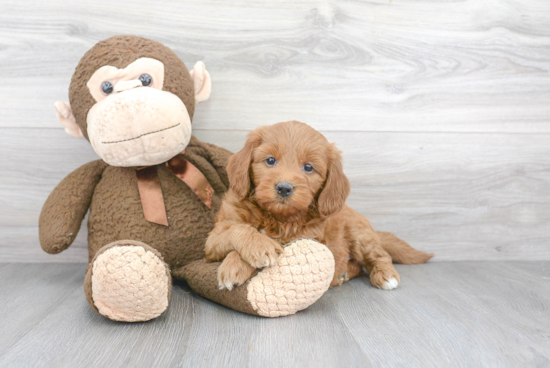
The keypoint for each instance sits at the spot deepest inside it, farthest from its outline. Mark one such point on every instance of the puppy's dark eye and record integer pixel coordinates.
(146, 80)
(308, 168)
(107, 87)
(270, 161)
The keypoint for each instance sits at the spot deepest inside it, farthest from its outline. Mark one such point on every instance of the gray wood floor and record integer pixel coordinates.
(446, 314)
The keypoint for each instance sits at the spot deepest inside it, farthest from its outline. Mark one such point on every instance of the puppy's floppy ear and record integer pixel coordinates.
(336, 189)
(238, 167)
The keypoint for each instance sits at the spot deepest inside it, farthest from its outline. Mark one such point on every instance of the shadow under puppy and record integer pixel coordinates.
(287, 183)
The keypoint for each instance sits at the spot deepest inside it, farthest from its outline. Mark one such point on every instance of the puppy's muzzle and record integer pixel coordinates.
(284, 189)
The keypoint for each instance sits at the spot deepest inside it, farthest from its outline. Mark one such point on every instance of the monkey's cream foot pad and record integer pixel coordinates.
(302, 275)
(130, 284)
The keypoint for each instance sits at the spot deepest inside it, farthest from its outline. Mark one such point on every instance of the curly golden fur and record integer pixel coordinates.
(288, 183)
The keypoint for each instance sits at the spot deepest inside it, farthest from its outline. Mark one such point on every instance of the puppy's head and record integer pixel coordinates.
(288, 167)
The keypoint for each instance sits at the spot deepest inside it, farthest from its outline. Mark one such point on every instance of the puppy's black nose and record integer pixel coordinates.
(284, 189)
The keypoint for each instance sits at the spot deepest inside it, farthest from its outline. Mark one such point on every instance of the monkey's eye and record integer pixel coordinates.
(308, 168)
(107, 87)
(271, 161)
(146, 80)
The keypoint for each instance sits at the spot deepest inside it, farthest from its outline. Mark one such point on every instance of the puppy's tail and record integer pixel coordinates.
(400, 251)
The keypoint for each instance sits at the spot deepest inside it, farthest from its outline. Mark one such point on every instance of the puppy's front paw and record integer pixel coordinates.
(263, 253)
(384, 278)
(233, 271)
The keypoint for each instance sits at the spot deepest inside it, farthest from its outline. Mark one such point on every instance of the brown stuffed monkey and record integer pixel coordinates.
(155, 192)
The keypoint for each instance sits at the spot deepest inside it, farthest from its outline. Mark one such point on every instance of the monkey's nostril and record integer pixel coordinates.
(284, 189)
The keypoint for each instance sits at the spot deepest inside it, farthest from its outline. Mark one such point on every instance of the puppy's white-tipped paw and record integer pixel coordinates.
(384, 278)
(390, 284)
(227, 285)
(233, 272)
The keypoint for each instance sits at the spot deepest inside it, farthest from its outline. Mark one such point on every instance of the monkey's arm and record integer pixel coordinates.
(66, 207)
(217, 157)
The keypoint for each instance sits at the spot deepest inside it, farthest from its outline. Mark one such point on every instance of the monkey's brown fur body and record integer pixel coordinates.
(131, 259)
(116, 213)
(111, 193)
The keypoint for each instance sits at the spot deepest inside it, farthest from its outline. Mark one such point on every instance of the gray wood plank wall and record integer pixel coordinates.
(442, 108)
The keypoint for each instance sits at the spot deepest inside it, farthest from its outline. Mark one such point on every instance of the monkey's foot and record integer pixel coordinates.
(128, 281)
(299, 278)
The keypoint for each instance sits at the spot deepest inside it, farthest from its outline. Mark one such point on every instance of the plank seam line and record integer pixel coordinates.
(339, 131)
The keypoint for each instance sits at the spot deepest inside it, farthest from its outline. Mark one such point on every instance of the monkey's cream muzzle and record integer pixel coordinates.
(126, 85)
(139, 127)
(135, 125)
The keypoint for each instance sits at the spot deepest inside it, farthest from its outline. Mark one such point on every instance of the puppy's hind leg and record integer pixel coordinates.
(367, 249)
(353, 270)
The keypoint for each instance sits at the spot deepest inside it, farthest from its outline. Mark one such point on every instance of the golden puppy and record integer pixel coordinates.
(287, 183)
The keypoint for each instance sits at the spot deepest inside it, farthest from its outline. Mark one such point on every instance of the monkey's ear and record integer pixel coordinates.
(65, 116)
(202, 82)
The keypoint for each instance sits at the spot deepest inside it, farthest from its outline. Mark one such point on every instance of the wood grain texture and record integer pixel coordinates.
(455, 314)
(463, 196)
(29, 294)
(379, 65)
(442, 108)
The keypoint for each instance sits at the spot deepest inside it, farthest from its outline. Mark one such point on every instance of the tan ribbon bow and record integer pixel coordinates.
(150, 191)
